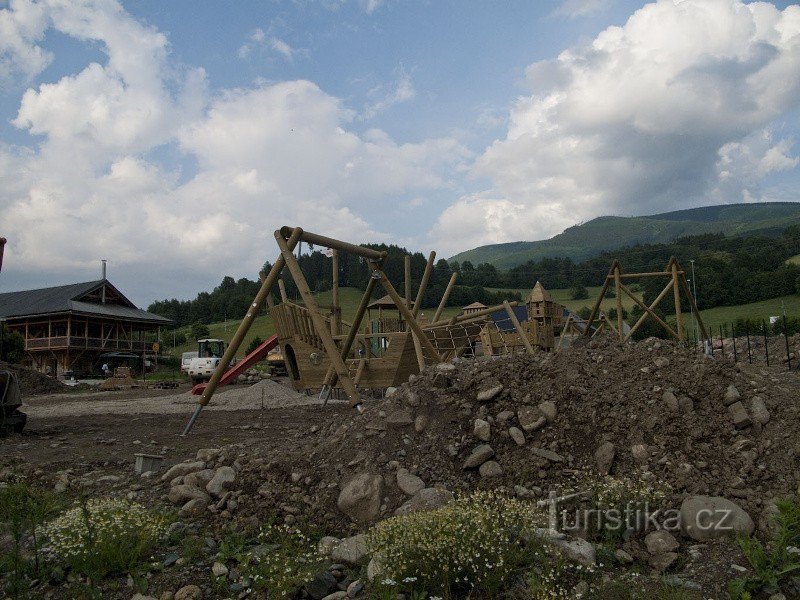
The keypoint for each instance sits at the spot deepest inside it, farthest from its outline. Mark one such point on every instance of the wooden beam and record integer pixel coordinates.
(424, 284)
(336, 315)
(445, 297)
(319, 321)
(693, 302)
(677, 295)
(407, 278)
(650, 311)
(647, 309)
(282, 288)
(600, 297)
(321, 240)
(518, 327)
(618, 284)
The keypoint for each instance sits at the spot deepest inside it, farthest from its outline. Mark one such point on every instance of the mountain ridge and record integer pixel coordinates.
(606, 233)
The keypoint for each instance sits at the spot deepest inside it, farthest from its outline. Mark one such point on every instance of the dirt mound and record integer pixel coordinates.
(551, 422)
(32, 382)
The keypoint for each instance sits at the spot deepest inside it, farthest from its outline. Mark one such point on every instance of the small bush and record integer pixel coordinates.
(579, 292)
(102, 536)
(472, 545)
(291, 561)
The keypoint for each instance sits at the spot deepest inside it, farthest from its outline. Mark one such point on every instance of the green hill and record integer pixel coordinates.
(584, 241)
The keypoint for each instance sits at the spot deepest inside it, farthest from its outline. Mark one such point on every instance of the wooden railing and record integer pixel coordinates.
(88, 343)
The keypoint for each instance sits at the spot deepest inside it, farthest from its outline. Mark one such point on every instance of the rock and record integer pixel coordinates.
(223, 479)
(420, 423)
(705, 518)
(193, 508)
(188, 592)
(662, 562)
(547, 454)
(759, 410)
(326, 545)
(181, 494)
(427, 499)
(138, 596)
(219, 570)
(199, 479)
(480, 454)
(574, 549)
(208, 454)
(321, 586)
(530, 418)
(490, 468)
(360, 498)
(355, 588)
(352, 550)
(739, 415)
(732, 395)
(661, 362)
(516, 434)
(340, 595)
(604, 457)
(504, 416)
(409, 484)
(640, 453)
(482, 430)
(489, 394)
(548, 409)
(375, 567)
(661, 541)
(670, 400)
(182, 469)
(623, 556)
(399, 418)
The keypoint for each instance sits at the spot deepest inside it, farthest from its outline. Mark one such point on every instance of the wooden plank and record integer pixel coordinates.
(387, 285)
(518, 327)
(445, 297)
(677, 295)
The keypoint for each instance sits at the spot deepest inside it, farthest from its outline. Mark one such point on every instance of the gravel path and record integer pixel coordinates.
(265, 394)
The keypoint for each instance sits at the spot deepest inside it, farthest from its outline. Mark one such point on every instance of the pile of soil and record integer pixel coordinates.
(33, 383)
(655, 406)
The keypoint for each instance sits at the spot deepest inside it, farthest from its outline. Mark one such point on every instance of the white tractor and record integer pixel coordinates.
(209, 353)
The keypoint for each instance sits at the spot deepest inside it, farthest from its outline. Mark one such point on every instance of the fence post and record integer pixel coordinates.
(766, 341)
(722, 342)
(733, 333)
(786, 339)
(747, 332)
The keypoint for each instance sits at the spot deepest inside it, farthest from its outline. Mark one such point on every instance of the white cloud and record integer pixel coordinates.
(22, 26)
(370, 6)
(574, 9)
(638, 120)
(260, 39)
(401, 90)
(269, 155)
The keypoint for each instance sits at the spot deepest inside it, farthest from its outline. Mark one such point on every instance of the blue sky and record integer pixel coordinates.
(173, 137)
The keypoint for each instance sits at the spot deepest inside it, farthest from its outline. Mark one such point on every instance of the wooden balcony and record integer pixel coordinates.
(86, 343)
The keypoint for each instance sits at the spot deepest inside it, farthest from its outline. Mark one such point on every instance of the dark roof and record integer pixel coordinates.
(71, 299)
(503, 322)
(385, 302)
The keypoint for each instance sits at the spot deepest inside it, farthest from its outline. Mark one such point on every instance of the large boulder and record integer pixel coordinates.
(479, 455)
(223, 479)
(360, 498)
(409, 483)
(427, 499)
(182, 469)
(181, 494)
(705, 518)
(351, 551)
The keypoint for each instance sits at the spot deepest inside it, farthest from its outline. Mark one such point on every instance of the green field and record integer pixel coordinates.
(563, 296)
(795, 260)
(263, 327)
(765, 309)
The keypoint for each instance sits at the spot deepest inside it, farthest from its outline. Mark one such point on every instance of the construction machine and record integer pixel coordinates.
(209, 351)
(11, 419)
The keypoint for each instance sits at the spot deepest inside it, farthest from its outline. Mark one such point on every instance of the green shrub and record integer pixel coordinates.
(102, 536)
(291, 561)
(470, 546)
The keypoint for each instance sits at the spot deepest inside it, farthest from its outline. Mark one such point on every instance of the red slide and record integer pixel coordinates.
(240, 367)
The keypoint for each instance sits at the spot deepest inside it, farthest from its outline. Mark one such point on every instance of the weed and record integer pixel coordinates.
(777, 561)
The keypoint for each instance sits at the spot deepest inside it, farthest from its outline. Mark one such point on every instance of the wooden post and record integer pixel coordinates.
(599, 301)
(649, 311)
(424, 283)
(282, 288)
(512, 315)
(618, 284)
(693, 302)
(407, 268)
(412, 322)
(319, 322)
(445, 297)
(244, 327)
(336, 317)
(676, 288)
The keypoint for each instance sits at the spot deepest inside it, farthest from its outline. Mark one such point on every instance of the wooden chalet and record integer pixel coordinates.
(68, 327)
(473, 308)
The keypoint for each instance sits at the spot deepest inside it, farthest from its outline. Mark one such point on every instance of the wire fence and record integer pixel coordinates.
(774, 343)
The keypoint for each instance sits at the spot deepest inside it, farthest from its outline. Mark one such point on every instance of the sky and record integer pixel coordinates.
(173, 138)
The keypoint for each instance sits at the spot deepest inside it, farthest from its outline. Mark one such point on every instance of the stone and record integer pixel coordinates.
(489, 394)
(547, 454)
(759, 410)
(193, 508)
(427, 499)
(548, 409)
(182, 469)
(181, 494)
(640, 453)
(604, 457)
(661, 541)
(670, 400)
(490, 468)
(223, 479)
(399, 418)
(504, 416)
(375, 567)
(219, 570)
(321, 586)
(199, 479)
(189, 592)
(355, 588)
(208, 454)
(662, 562)
(705, 518)
(482, 430)
(480, 454)
(352, 550)
(420, 423)
(360, 498)
(575, 549)
(326, 544)
(732, 395)
(739, 415)
(623, 556)
(661, 362)
(530, 418)
(516, 434)
(340, 595)
(409, 484)
(138, 596)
